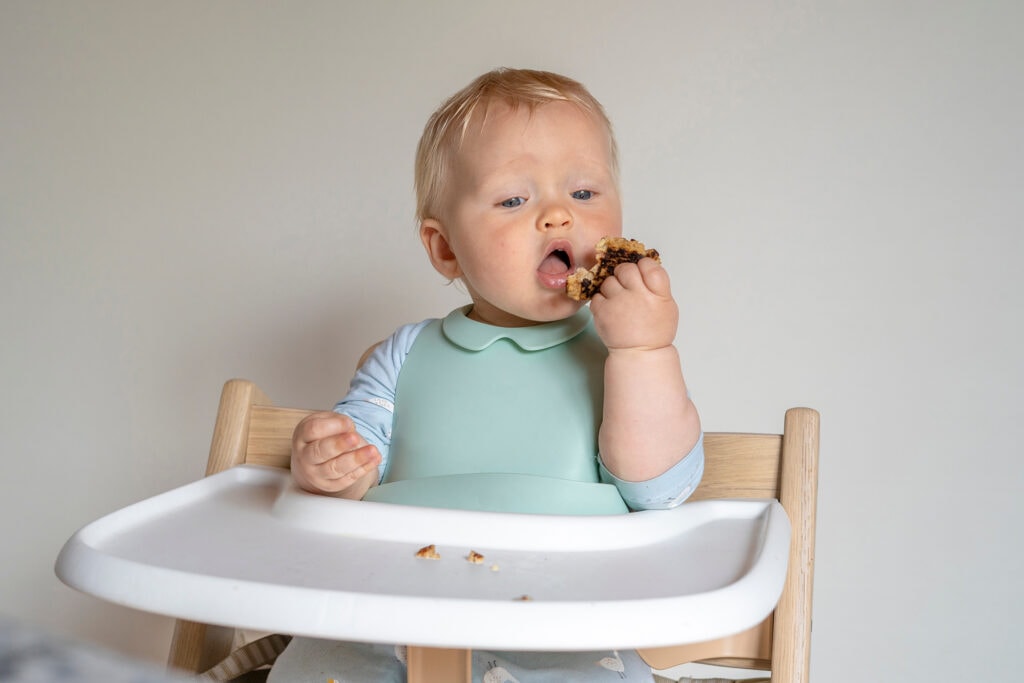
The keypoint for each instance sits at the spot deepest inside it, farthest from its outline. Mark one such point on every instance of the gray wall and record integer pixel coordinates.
(193, 191)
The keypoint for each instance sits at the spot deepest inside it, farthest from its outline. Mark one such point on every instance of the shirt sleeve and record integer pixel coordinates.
(370, 400)
(667, 490)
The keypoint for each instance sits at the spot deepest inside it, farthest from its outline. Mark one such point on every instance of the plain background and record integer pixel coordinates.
(193, 191)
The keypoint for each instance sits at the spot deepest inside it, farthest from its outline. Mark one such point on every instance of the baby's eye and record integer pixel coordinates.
(513, 202)
(582, 194)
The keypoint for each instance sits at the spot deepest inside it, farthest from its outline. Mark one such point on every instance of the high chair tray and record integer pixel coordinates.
(246, 548)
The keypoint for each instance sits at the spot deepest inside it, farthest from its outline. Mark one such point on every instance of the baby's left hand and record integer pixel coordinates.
(635, 308)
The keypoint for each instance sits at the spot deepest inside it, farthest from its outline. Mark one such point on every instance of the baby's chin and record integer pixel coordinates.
(552, 309)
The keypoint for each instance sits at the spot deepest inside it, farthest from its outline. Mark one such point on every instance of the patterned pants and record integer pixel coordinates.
(309, 660)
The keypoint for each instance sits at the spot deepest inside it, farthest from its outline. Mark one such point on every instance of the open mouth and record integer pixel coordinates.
(556, 263)
(557, 266)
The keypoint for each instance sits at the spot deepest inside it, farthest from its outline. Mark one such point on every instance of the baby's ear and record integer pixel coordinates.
(432, 234)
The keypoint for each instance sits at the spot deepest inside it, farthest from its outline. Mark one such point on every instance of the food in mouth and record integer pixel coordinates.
(611, 251)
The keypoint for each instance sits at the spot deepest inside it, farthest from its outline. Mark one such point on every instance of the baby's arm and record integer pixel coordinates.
(341, 453)
(649, 422)
(330, 457)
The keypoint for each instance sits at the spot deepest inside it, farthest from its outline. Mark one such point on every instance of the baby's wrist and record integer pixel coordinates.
(643, 351)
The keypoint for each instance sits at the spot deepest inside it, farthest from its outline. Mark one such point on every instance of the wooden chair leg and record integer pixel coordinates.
(436, 665)
(196, 647)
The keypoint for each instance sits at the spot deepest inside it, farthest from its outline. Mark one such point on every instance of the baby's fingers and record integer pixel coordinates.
(626, 278)
(317, 426)
(646, 274)
(341, 472)
(655, 277)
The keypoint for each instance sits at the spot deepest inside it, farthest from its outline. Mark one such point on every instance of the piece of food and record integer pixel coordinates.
(475, 557)
(611, 251)
(428, 552)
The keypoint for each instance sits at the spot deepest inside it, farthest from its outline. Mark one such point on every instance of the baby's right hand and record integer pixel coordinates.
(330, 457)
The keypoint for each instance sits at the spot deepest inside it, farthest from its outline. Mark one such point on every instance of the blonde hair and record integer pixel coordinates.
(448, 125)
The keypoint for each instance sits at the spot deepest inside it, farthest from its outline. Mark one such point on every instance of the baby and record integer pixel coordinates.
(525, 400)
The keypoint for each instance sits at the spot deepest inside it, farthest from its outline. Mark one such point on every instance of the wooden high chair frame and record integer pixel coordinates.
(250, 430)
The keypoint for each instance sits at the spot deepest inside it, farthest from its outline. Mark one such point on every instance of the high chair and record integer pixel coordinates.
(250, 430)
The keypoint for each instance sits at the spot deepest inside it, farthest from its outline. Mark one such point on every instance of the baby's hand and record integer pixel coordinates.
(330, 457)
(635, 308)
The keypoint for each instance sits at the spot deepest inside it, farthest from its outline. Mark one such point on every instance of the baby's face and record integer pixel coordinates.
(531, 194)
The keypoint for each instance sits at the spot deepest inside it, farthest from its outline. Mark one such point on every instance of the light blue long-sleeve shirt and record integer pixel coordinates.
(370, 405)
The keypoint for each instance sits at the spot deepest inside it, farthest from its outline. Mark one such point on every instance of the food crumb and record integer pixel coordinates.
(475, 557)
(524, 598)
(494, 567)
(428, 552)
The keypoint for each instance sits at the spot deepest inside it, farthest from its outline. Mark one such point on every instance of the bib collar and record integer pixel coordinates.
(472, 335)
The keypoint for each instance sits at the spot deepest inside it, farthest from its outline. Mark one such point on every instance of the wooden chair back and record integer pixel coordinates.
(785, 467)
(250, 430)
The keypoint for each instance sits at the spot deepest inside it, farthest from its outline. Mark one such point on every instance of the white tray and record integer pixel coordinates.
(246, 548)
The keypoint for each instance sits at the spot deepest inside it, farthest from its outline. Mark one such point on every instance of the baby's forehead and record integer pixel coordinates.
(507, 126)
(512, 144)
(501, 110)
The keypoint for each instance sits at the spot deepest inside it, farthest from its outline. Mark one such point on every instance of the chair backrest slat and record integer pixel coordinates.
(270, 435)
(740, 466)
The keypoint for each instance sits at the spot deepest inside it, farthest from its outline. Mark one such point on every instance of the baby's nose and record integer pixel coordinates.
(556, 217)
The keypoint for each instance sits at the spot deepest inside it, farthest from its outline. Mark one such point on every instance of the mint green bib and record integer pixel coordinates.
(500, 419)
